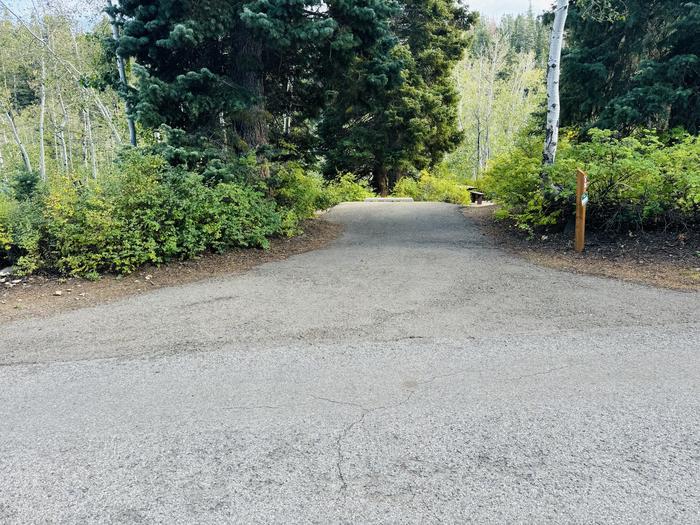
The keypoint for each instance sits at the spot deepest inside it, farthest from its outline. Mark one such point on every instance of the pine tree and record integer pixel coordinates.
(641, 68)
(222, 72)
(396, 109)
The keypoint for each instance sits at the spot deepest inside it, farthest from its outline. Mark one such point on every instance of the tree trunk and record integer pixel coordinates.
(380, 180)
(91, 143)
(251, 125)
(66, 134)
(18, 140)
(121, 68)
(42, 118)
(553, 73)
(477, 117)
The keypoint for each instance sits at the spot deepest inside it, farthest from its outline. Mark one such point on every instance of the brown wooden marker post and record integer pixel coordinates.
(581, 202)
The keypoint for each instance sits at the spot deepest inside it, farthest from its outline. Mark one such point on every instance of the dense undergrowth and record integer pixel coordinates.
(644, 181)
(145, 211)
(438, 186)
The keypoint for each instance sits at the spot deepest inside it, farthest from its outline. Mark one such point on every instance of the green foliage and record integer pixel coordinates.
(432, 188)
(640, 69)
(228, 72)
(500, 80)
(393, 110)
(513, 180)
(142, 212)
(298, 194)
(20, 234)
(642, 181)
(7, 206)
(347, 189)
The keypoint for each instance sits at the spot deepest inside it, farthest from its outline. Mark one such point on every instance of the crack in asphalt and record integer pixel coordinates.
(369, 410)
(343, 435)
(542, 373)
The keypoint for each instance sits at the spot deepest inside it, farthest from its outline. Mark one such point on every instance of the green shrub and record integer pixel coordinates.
(298, 194)
(635, 182)
(245, 217)
(144, 211)
(514, 181)
(7, 206)
(346, 189)
(432, 188)
(20, 234)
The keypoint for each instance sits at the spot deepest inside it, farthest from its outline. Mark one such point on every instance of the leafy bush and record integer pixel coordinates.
(143, 212)
(298, 193)
(20, 233)
(432, 188)
(514, 181)
(7, 206)
(346, 189)
(636, 182)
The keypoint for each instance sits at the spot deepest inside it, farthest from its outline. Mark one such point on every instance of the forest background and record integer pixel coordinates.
(155, 132)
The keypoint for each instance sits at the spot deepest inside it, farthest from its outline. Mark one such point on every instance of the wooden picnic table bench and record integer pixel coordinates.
(476, 196)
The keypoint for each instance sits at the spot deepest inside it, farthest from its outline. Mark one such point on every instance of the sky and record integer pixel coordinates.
(497, 8)
(490, 8)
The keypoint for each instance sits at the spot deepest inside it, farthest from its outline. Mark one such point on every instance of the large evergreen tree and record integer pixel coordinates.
(395, 109)
(223, 70)
(641, 68)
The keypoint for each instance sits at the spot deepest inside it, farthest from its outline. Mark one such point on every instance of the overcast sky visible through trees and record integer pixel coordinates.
(90, 10)
(497, 8)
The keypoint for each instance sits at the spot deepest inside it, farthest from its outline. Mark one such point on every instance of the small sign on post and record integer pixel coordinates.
(581, 203)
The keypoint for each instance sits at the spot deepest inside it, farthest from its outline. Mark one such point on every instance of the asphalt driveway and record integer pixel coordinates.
(409, 372)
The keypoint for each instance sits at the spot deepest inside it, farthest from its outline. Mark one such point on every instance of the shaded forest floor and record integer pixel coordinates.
(41, 295)
(664, 259)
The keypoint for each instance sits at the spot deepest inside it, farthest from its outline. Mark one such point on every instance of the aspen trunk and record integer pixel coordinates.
(91, 143)
(84, 142)
(121, 68)
(65, 132)
(477, 116)
(553, 73)
(42, 118)
(18, 140)
(107, 116)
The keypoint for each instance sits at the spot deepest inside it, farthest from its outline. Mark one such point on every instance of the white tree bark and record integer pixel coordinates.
(66, 134)
(18, 140)
(91, 143)
(553, 73)
(121, 68)
(42, 118)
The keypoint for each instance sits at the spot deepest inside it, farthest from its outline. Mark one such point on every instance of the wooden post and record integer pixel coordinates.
(581, 202)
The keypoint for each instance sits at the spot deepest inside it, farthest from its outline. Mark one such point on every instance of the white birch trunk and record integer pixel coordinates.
(61, 133)
(42, 118)
(18, 140)
(121, 68)
(91, 143)
(106, 115)
(85, 140)
(66, 134)
(553, 73)
(477, 116)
